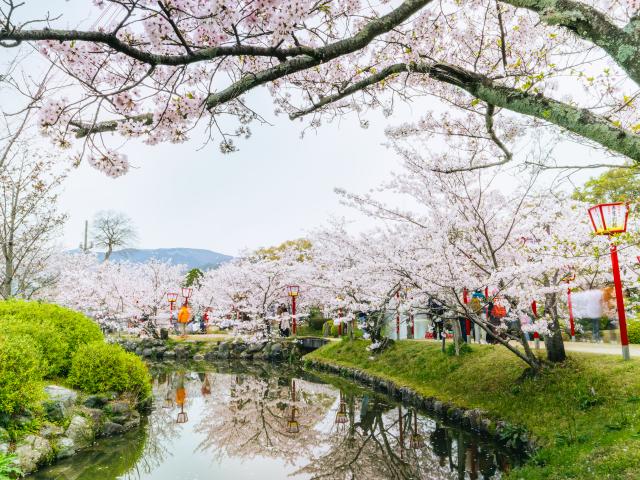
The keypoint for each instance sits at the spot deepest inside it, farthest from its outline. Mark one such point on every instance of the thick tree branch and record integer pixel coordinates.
(591, 25)
(332, 51)
(112, 41)
(312, 56)
(82, 129)
(574, 119)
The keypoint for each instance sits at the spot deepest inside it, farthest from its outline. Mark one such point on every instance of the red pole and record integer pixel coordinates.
(571, 324)
(413, 325)
(534, 309)
(465, 299)
(293, 312)
(398, 317)
(624, 340)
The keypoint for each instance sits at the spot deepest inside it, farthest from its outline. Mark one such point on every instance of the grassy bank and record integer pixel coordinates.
(585, 414)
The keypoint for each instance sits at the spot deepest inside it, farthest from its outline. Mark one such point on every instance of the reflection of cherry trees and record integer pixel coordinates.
(255, 411)
(379, 441)
(251, 416)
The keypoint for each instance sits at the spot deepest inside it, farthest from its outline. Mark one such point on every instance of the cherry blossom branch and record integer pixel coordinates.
(312, 56)
(574, 119)
(592, 25)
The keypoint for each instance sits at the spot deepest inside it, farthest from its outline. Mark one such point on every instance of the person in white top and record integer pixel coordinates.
(285, 323)
(588, 304)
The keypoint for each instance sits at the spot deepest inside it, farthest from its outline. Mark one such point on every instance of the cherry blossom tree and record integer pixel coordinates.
(30, 182)
(248, 290)
(159, 68)
(29, 218)
(108, 291)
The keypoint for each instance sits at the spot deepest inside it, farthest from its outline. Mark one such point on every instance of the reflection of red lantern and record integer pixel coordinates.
(184, 314)
(206, 386)
(181, 399)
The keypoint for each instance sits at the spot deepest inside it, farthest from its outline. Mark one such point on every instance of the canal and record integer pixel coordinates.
(237, 421)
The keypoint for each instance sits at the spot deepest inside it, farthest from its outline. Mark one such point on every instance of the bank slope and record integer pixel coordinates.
(585, 414)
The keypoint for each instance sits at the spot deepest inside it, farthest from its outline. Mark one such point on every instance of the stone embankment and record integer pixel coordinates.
(169, 350)
(476, 420)
(73, 422)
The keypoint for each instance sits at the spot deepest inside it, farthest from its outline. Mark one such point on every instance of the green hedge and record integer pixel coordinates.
(100, 367)
(633, 330)
(58, 331)
(20, 374)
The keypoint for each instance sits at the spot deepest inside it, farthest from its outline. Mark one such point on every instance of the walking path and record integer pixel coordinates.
(602, 348)
(587, 347)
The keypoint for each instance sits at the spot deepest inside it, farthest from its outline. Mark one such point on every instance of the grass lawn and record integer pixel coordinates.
(585, 414)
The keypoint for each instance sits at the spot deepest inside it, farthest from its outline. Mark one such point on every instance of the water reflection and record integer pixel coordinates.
(255, 421)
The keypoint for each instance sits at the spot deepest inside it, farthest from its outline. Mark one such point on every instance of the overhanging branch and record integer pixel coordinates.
(574, 119)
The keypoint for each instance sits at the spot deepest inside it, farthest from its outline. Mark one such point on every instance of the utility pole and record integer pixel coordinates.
(85, 247)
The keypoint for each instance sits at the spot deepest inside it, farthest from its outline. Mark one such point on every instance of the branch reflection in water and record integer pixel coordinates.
(232, 420)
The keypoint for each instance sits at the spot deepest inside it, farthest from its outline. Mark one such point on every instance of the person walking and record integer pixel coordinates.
(285, 322)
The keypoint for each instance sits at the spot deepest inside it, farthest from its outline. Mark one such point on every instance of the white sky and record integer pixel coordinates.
(277, 187)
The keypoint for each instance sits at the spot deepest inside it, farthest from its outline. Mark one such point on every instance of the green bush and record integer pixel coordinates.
(8, 468)
(100, 367)
(58, 331)
(50, 342)
(316, 319)
(633, 330)
(20, 374)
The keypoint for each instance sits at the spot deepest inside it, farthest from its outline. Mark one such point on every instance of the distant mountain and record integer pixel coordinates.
(191, 257)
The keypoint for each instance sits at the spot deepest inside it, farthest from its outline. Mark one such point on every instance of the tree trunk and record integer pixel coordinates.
(554, 343)
(107, 254)
(457, 335)
(8, 272)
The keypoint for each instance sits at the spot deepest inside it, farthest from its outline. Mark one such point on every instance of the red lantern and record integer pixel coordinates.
(186, 292)
(609, 218)
(172, 297)
(294, 290)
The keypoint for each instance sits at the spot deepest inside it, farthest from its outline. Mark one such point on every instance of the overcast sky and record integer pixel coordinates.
(277, 187)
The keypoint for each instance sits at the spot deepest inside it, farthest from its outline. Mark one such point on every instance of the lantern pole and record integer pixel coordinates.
(413, 324)
(293, 314)
(571, 322)
(465, 300)
(536, 335)
(398, 316)
(622, 319)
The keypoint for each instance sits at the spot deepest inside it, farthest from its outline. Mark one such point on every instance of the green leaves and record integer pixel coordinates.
(8, 468)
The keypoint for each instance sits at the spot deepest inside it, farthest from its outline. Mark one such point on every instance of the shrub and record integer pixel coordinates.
(8, 468)
(100, 367)
(633, 330)
(20, 373)
(50, 343)
(58, 331)
(464, 348)
(316, 318)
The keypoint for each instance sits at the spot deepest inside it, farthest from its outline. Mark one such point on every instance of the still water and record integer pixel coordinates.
(257, 421)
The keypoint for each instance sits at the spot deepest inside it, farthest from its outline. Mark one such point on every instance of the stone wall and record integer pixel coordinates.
(73, 421)
(472, 419)
(169, 350)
